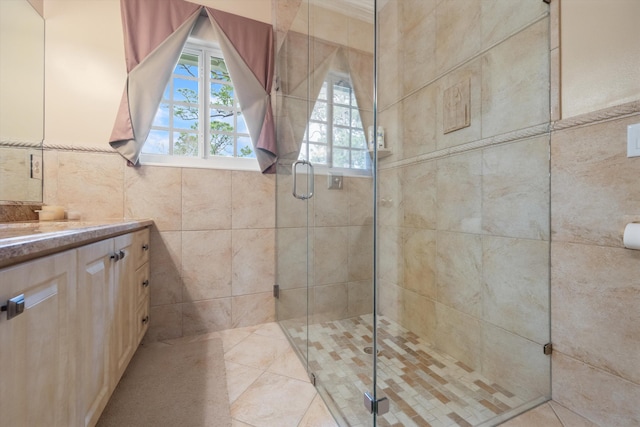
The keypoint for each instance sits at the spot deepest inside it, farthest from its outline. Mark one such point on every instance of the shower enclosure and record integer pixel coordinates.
(413, 206)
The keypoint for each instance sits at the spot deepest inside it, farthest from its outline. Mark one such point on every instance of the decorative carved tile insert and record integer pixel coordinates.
(456, 105)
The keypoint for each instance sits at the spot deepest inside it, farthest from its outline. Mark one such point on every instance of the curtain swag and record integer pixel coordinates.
(154, 38)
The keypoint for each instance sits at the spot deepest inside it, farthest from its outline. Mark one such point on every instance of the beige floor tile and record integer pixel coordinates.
(271, 330)
(289, 365)
(541, 416)
(236, 423)
(287, 401)
(239, 378)
(570, 418)
(317, 415)
(257, 351)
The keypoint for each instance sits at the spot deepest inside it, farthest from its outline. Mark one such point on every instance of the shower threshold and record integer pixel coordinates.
(425, 387)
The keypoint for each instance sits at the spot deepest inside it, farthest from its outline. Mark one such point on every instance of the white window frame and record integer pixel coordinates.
(204, 52)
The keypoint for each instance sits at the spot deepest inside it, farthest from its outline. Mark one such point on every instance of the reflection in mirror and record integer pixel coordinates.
(21, 101)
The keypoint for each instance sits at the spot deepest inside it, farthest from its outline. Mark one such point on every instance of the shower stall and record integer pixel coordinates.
(413, 206)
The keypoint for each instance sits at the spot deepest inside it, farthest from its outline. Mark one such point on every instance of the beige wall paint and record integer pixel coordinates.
(600, 54)
(85, 68)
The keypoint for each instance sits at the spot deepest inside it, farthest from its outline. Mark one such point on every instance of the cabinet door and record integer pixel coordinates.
(36, 353)
(94, 312)
(124, 308)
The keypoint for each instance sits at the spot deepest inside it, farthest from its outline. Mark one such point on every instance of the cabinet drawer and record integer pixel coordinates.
(140, 247)
(142, 320)
(142, 283)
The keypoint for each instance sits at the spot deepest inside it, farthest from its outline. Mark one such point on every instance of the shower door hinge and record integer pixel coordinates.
(547, 349)
(378, 407)
(276, 291)
(312, 378)
(547, 1)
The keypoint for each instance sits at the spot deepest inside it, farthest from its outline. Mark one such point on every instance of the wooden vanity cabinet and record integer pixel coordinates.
(85, 312)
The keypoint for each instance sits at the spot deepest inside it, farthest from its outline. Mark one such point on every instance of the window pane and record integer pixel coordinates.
(317, 132)
(222, 120)
(221, 144)
(191, 122)
(341, 137)
(359, 159)
(356, 122)
(245, 147)
(357, 139)
(162, 116)
(341, 116)
(221, 94)
(219, 69)
(353, 99)
(185, 90)
(185, 144)
(320, 112)
(187, 65)
(157, 142)
(318, 154)
(303, 151)
(340, 158)
(341, 94)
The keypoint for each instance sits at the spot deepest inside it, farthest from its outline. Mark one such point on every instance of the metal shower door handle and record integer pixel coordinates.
(294, 172)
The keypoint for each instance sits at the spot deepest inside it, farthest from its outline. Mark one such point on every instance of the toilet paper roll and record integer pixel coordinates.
(631, 237)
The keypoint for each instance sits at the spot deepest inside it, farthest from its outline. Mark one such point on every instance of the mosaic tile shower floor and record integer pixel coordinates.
(425, 387)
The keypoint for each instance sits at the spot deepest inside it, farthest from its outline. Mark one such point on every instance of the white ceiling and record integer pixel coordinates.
(360, 9)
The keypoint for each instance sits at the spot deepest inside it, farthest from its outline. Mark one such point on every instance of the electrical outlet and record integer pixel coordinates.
(35, 162)
(633, 140)
(334, 181)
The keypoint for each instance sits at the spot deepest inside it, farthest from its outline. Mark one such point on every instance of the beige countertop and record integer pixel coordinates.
(24, 241)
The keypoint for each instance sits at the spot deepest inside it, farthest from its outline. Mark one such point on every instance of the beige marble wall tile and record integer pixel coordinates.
(459, 271)
(361, 35)
(420, 261)
(595, 299)
(414, 12)
(458, 32)
(331, 255)
(595, 190)
(605, 399)
(329, 25)
(391, 254)
(501, 18)
(206, 199)
(254, 309)
(330, 302)
(253, 200)
(165, 322)
(390, 300)
(16, 183)
(292, 304)
(459, 335)
(515, 82)
(418, 122)
(91, 183)
(515, 286)
(459, 189)
(360, 298)
(391, 120)
(523, 369)
(154, 192)
(360, 200)
(165, 267)
(202, 317)
(331, 206)
(291, 254)
(554, 84)
(50, 177)
(291, 212)
(253, 261)
(515, 184)
(360, 253)
(419, 195)
(472, 73)
(389, 68)
(390, 202)
(419, 51)
(418, 314)
(206, 264)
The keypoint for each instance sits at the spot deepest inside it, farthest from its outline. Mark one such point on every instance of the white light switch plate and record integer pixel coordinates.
(633, 140)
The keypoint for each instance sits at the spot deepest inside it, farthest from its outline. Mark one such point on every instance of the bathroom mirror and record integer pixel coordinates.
(21, 100)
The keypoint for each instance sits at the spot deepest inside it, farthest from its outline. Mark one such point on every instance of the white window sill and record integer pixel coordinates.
(227, 163)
